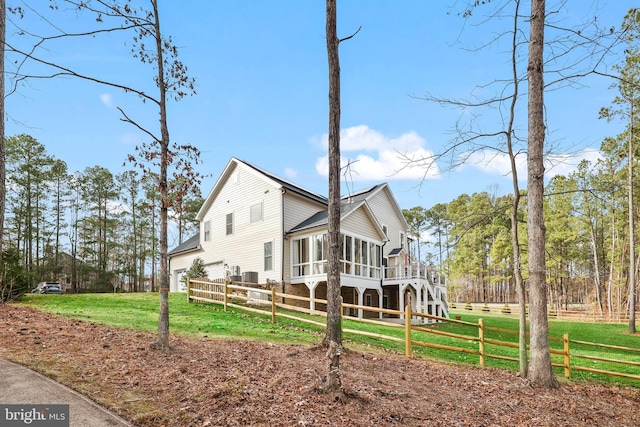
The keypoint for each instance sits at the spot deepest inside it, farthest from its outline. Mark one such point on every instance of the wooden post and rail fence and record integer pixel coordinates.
(266, 300)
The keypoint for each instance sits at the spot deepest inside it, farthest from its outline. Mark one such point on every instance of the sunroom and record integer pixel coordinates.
(360, 269)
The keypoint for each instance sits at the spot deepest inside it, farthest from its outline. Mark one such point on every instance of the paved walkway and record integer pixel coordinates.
(19, 385)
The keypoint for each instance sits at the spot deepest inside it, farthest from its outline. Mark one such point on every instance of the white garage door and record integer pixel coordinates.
(179, 285)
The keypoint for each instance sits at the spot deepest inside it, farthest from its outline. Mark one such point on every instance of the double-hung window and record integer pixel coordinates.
(268, 256)
(207, 231)
(229, 224)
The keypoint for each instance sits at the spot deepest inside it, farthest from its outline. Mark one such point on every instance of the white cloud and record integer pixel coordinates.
(557, 164)
(375, 157)
(290, 173)
(564, 164)
(106, 99)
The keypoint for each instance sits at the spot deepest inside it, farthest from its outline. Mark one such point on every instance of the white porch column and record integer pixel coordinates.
(380, 301)
(435, 304)
(419, 304)
(401, 303)
(360, 301)
(311, 285)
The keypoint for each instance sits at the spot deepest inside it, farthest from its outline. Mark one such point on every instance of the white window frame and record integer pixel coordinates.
(207, 231)
(319, 263)
(301, 267)
(268, 256)
(229, 224)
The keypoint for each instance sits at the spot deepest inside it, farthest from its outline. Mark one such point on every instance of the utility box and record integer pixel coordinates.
(250, 277)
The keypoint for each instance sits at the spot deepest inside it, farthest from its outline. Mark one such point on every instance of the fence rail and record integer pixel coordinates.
(580, 312)
(250, 297)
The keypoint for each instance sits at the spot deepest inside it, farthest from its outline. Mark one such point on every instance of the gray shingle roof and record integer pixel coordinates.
(361, 195)
(188, 245)
(322, 218)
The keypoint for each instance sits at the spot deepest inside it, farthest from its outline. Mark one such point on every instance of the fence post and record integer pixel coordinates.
(567, 368)
(273, 304)
(407, 330)
(481, 340)
(188, 289)
(226, 289)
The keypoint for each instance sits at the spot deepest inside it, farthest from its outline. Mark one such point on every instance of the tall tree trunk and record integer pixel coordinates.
(596, 264)
(333, 337)
(163, 322)
(540, 370)
(3, 190)
(632, 256)
(611, 263)
(515, 238)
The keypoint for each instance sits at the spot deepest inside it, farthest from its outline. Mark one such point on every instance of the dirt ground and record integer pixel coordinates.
(240, 383)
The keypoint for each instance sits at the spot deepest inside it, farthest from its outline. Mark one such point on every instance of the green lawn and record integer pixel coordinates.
(140, 312)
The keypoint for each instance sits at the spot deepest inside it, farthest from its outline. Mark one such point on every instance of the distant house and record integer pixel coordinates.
(257, 227)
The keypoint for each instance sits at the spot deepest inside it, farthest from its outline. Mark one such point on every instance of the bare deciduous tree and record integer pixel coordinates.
(540, 369)
(333, 337)
(3, 26)
(575, 53)
(171, 80)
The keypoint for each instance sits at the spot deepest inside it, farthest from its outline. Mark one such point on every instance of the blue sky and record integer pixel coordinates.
(261, 81)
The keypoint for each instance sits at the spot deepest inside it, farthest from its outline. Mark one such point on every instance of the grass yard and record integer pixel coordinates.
(140, 312)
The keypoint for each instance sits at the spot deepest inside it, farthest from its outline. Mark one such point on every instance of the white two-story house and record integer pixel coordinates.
(257, 227)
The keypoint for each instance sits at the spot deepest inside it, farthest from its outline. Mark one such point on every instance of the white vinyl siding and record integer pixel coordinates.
(298, 209)
(388, 213)
(245, 247)
(359, 223)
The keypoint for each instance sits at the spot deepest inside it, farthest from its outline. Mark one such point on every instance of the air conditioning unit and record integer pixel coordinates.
(250, 277)
(235, 270)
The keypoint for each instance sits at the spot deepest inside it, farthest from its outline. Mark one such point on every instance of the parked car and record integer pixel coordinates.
(47, 288)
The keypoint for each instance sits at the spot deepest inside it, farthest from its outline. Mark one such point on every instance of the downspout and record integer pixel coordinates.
(284, 238)
(382, 268)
